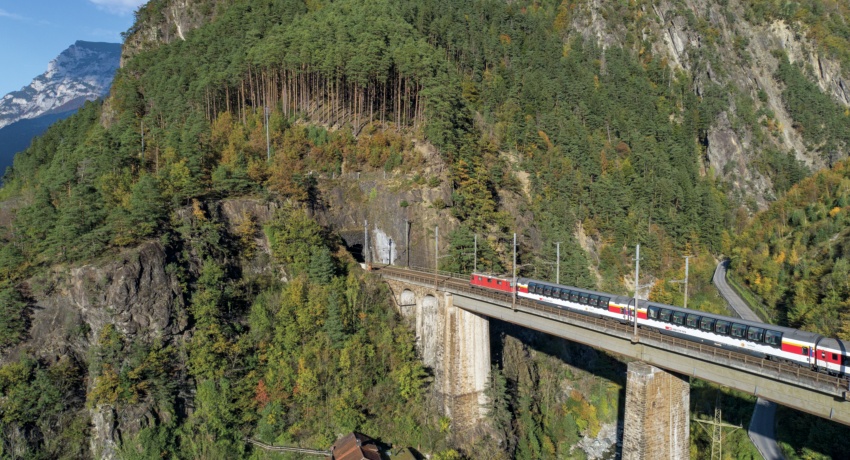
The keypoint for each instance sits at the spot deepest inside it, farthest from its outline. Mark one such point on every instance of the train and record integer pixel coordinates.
(768, 341)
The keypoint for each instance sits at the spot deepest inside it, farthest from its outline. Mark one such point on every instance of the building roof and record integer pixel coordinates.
(354, 446)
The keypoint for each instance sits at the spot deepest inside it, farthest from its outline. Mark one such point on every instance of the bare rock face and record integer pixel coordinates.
(727, 154)
(166, 23)
(738, 56)
(827, 72)
(132, 290)
(387, 201)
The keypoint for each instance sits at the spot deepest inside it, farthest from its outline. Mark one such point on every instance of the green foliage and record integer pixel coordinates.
(736, 409)
(826, 22)
(46, 402)
(532, 416)
(792, 254)
(127, 373)
(803, 436)
(462, 253)
(293, 236)
(150, 443)
(612, 142)
(13, 316)
(823, 123)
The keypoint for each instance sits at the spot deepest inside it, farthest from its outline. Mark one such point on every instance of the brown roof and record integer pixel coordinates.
(354, 446)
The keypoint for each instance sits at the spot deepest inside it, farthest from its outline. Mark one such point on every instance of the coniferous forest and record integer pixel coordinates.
(262, 323)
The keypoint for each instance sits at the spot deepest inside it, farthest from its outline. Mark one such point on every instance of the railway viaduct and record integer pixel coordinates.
(452, 333)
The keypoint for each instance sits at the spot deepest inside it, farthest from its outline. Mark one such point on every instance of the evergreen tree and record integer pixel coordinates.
(13, 316)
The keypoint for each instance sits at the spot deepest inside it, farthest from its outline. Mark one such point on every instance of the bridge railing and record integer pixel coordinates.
(446, 281)
(417, 268)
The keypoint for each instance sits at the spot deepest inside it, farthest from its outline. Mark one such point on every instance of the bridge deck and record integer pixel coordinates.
(786, 384)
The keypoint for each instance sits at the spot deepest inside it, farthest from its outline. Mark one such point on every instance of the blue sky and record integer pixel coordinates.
(32, 32)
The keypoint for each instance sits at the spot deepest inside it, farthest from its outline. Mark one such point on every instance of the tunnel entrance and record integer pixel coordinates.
(353, 240)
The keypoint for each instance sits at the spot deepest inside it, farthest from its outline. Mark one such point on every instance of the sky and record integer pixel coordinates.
(33, 32)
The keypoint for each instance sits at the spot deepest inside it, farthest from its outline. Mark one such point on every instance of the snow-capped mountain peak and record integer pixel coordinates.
(82, 72)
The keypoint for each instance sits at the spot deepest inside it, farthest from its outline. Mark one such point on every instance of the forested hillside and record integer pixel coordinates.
(167, 289)
(794, 257)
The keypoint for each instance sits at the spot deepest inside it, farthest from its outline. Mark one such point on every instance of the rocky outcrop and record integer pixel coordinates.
(713, 43)
(135, 293)
(166, 22)
(388, 201)
(131, 290)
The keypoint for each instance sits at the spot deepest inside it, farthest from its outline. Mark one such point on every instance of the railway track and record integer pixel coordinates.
(460, 283)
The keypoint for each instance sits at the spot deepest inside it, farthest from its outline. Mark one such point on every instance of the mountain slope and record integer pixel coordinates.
(82, 72)
(573, 121)
(17, 136)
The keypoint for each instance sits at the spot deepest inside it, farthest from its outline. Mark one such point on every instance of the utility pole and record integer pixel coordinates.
(268, 141)
(391, 252)
(637, 287)
(366, 252)
(436, 253)
(686, 280)
(513, 291)
(475, 254)
(716, 430)
(558, 263)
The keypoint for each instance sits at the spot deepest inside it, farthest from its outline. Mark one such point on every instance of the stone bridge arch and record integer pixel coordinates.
(407, 303)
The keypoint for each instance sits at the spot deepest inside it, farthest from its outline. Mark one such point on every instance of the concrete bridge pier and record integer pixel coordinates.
(466, 366)
(455, 344)
(657, 414)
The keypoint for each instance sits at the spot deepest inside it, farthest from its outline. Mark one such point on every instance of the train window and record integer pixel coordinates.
(739, 330)
(574, 295)
(679, 318)
(479, 278)
(692, 321)
(547, 291)
(707, 324)
(664, 315)
(755, 334)
(652, 312)
(805, 351)
(582, 298)
(835, 357)
(593, 300)
(773, 338)
(499, 282)
(603, 302)
(822, 354)
(722, 327)
(565, 294)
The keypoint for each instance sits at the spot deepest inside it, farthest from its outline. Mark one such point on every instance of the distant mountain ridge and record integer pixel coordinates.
(82, 72)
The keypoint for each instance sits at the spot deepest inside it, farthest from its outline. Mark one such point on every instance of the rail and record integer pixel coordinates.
(297, 450)
(460, 283)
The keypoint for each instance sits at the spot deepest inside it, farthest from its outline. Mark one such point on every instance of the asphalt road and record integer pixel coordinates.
(762, 425)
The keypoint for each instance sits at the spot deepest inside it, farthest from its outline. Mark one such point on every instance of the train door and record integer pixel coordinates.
(813, 354)
(628, 312)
